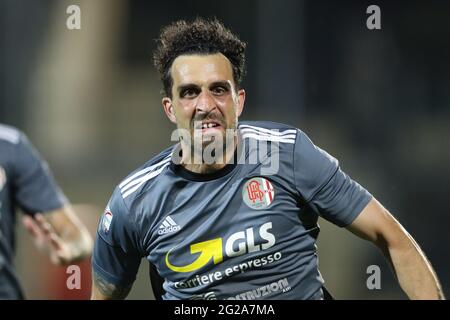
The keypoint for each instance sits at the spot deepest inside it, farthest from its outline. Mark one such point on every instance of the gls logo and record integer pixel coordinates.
(213, 248)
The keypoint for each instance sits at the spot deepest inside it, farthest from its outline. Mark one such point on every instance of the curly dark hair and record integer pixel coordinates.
(200, 36)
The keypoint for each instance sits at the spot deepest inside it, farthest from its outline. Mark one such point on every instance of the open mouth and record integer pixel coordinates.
(209, 125)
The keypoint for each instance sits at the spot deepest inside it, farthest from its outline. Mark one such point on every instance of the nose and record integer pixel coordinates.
(205, 103)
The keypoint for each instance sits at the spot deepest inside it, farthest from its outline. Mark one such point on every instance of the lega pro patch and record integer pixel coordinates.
(106, 221)
(2, 178)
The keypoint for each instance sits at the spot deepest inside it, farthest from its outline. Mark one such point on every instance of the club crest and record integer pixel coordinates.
(258, 193)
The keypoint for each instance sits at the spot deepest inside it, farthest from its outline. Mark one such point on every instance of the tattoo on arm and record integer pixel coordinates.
(109, 290)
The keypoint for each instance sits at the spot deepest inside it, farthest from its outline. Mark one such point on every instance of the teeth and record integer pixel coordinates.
(208, 125)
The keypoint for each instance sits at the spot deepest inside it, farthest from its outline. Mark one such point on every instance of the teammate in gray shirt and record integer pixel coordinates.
(26, 183)
(243, 226)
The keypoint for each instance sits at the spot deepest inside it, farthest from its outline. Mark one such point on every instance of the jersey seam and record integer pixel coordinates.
(141, 251)
(293, 173)
(107, 242)
(293, 163)
(323, 185)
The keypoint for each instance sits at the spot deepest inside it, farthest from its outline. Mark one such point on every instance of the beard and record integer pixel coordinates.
(212, 148)
(207, 145)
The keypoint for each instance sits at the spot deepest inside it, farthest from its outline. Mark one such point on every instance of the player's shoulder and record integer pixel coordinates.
(267, 125)
(285, 135)
(274, 128)
(9, 134)
(125, 198)
(146, 174)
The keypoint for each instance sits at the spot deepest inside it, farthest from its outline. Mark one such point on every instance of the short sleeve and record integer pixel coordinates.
(323, 186)
(35, 189)
(117, 251)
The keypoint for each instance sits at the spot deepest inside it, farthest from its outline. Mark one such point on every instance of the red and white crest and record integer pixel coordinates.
(258, 193)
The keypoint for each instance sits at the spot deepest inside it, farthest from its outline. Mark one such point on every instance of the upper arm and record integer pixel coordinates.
(117, 251)
(102, 289)
(377, 225)
(35, 189)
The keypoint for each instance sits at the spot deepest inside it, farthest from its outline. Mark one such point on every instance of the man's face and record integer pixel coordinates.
(204, 98)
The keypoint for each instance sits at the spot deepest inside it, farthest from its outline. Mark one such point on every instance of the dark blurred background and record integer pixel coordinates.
(378, 100)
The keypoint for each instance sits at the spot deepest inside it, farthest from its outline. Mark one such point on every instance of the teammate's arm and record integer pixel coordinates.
(48, 215)
(60, 234)
(414, 272)
(102, 289)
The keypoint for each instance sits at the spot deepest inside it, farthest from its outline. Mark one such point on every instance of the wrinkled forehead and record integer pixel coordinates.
(201, 69)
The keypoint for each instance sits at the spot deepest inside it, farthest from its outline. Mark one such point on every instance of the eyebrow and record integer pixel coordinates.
(187, 86)
(225, 84)
(221, 84)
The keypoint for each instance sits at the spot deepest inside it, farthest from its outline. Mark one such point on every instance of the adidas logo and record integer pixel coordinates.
(168, 226)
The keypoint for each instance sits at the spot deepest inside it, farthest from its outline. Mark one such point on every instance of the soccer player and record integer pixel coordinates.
(230, 212)
(26, 182)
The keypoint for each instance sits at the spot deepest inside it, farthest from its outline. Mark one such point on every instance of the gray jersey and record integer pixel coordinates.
(25, 182)
(244, 232)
